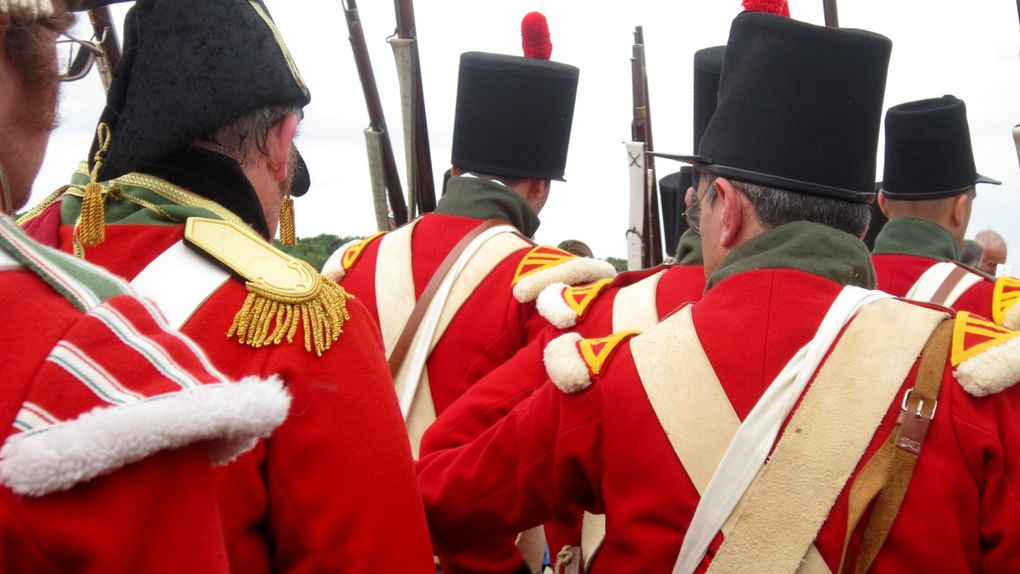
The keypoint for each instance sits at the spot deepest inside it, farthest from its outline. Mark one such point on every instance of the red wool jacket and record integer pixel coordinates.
(603, 449)
(334, 486)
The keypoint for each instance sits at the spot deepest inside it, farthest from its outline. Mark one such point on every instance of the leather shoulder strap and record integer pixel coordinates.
(403, 344)
(943, 284)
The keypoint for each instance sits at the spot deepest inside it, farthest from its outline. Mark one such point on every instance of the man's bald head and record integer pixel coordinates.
(994, 250)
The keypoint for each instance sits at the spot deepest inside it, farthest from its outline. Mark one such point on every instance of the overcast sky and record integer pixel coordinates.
(969, 50)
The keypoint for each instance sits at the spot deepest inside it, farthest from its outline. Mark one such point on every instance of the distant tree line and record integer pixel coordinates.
(315, 250)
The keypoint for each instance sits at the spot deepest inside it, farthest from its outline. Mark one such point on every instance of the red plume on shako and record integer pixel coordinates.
(769, 6)
(535, 36)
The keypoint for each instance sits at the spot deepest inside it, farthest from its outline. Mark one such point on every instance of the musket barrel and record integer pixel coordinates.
(832, 15)
(103, 28)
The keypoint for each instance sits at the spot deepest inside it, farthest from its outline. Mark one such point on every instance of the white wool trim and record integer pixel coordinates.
(564, 364)
(554, 308)
(1012, 318)
(992, 371)
(572, 272)
(333, 268)
(27, 9)
(231, 417)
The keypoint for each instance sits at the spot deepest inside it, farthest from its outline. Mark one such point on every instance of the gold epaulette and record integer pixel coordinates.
(283, 292)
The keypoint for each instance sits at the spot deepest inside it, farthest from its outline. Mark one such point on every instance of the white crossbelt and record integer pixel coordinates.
(179, 281)
(930, 281)
(426, 331)
(753, 441)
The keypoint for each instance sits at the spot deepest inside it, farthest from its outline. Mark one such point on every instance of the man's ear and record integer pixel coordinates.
(731, 203)
(278, 146)
(961, 210)
(883, 204)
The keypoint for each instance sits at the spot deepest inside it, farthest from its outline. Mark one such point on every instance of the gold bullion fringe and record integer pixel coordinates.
(269, 318)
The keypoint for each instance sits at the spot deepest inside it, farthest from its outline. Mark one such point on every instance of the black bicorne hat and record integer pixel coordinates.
(927, 150)
(513, 116)
(800, 107)
(189, 67)
(79, 5)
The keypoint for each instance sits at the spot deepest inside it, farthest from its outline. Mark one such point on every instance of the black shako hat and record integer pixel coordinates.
(708, 65)
(800, 108)
(513, 116)
(189, 67)
(673, 187)
(927, 150)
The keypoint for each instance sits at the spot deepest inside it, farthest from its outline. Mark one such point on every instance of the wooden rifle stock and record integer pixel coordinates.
(424, 184)
(377, 121)
(641, 131)
(832, 16)
(103, 29)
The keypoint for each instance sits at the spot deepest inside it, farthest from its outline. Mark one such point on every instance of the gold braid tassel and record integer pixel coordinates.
(91, 227)
(269, 318)
(288, 235)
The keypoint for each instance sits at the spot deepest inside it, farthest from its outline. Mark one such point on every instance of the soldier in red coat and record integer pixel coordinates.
(632, 301)
(191, 165)
(774, 425)
(928, 191)
(110, 417)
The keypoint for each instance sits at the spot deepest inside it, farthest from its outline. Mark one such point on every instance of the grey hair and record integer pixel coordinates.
(971, 252)
(777, 207)
(245, 138)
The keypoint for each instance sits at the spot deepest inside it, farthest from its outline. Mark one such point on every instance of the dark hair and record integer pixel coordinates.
(777, 207)
(245, 138)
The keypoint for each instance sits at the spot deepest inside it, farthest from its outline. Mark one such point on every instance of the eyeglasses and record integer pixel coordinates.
(75, 57)
(692, 215)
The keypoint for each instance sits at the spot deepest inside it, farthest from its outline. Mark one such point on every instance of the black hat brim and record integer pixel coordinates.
(941, 194)
(738, 174)
(302, 180)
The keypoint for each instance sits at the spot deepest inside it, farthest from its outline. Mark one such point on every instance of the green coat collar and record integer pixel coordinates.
(804, 246)
(910, 236)
(469, 196)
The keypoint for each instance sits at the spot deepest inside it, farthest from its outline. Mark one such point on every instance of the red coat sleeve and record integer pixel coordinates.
(542, 457)
(157, 515)
(489, 400)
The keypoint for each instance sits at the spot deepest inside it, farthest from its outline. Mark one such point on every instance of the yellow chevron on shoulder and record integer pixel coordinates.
(579, 298)
(539, 259)
(1004, 297)
(353, 253)
(596, 352)
(973, 335)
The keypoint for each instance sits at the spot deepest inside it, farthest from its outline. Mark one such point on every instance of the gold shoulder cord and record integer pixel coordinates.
(283, 292)
(90, 229)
